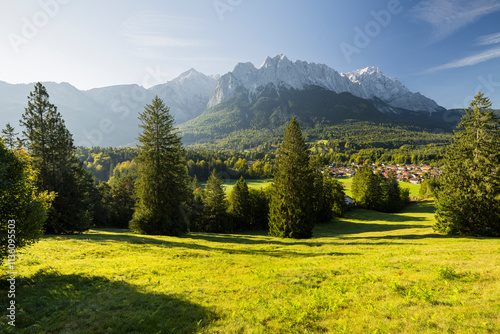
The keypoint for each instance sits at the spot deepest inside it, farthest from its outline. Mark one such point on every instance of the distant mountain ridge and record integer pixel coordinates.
(108, 116)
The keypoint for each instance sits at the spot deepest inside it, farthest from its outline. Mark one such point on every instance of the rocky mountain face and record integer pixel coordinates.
(279, 72)
(371, 83)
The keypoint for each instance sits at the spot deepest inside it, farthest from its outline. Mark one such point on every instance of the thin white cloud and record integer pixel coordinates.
(148, 40)
(489, 39)
(448, 16)
(468, 61)
(158, 30)
(155, 22)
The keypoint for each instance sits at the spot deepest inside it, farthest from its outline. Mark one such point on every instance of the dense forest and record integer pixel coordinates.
(341, 144)
(104, 163)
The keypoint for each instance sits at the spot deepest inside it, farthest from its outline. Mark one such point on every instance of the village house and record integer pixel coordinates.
(404, 173)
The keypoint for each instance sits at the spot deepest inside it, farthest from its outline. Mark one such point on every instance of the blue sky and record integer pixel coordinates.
(445, 49)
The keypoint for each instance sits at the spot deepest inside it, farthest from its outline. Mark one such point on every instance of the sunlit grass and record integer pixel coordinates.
(252, 183)
(347, 182)
(369, 272)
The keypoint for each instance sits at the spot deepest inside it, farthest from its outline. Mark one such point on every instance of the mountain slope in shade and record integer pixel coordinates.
(265, 117)
(369, 83)
(108, 116)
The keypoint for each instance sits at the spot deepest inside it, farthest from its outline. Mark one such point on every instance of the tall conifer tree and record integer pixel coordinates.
(240, 205)
(329, 198)
(214, 217)
(468, 199)
(51, 145)
(292, 208)
(366, 188)
(10, 135)
(162, 185)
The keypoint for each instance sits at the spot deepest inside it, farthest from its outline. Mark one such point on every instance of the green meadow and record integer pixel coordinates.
(252, 183)
(369, 272)
(347, 182)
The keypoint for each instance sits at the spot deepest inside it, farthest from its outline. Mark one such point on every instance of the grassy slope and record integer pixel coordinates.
(347, 182)
(252, 183)
(370, 271)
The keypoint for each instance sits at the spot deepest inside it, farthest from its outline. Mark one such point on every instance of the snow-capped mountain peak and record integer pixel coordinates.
(367, 83)
(187, 95)
(368, 71)
(189, 74)
(274, 62)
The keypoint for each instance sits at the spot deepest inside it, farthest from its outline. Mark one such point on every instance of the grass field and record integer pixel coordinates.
(414, 188)
(252, 183)
(367, 273)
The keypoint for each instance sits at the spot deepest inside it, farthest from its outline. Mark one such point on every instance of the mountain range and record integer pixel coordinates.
(369, 83)
(208, 107)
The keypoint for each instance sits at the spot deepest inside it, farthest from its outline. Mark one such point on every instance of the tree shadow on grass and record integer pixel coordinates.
(243, 239)
(412, 213)
(50, 302)
(343, 227)
(370, 215)
(218, 243)
(366, 221)
(402, 237)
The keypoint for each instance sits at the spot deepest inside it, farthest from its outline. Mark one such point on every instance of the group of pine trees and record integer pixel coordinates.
(375, 191)
(115, 203)
(298, 199)
(212, 211)
(301, 196)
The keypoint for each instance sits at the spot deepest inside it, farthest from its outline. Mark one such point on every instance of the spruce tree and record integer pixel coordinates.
(329, 198)
(51, 145)
(259, 208)
(162, 188)
(102, 205)
(214, 218)
(468, 199)
(195, 184)
(122, 201)
(239, 206)
(429, 187)
(366, 188)
(10, 135)
(292, 207)
(393, 198)
(196, 207)
(377, 192)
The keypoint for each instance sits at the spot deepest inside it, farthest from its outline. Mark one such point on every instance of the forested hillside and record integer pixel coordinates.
(240, 124)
